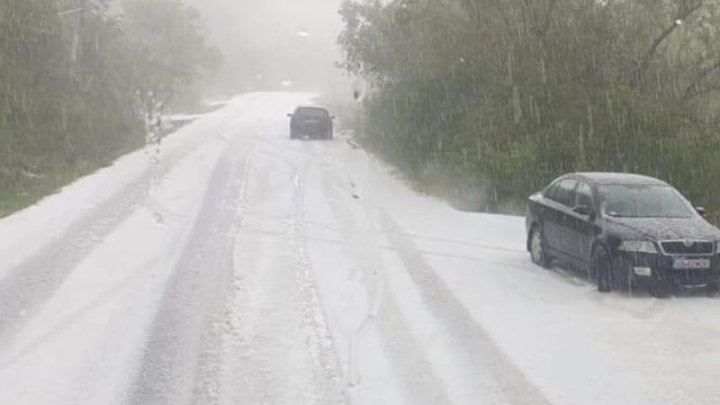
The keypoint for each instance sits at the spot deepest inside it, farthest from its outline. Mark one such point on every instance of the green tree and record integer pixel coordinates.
(78, 82)
(165, 36)
(501, 96)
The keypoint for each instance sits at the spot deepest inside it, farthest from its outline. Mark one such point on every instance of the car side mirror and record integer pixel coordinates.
(584, 210)
(332, 117)
(700, 210)
(290, 115)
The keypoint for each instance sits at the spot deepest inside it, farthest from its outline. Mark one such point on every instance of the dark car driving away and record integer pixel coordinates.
(311, 123)
(626, 230)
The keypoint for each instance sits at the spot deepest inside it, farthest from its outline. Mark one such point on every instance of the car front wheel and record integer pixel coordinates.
(660, 288)
(602, 269)
(712, 289)
(537, 249)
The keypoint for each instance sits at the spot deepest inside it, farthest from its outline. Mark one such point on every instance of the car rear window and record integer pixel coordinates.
(313, 112)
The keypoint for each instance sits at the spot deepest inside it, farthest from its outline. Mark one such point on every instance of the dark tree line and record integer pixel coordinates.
(80, 80)
(487, 100)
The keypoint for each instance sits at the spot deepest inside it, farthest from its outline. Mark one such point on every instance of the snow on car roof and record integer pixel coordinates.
(620, 178)
(311, 107)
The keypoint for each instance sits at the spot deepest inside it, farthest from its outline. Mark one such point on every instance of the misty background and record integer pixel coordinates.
(265, 43)
(479, 100)
(86, 81)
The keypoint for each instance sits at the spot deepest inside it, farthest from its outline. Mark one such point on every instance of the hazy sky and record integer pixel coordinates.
(266, 42)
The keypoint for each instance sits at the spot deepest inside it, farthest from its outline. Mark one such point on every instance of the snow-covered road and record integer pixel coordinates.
(245, 268)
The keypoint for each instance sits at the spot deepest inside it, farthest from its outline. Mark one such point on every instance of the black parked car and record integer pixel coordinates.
(311, 123)
(626, 230)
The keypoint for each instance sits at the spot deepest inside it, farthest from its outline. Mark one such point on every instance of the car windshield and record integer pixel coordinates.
(631, 201)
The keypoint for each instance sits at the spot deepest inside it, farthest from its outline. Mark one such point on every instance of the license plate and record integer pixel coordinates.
(692, 264)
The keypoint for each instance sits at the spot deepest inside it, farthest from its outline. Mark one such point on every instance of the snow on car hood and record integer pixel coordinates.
(668, 228)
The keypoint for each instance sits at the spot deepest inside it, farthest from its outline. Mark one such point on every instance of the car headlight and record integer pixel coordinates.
(638, 246)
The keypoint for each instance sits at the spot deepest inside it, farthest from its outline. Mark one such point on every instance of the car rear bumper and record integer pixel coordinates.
(311, 134)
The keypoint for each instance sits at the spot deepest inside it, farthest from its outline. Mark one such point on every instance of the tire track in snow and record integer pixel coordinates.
(475, 245)
(211, 366)
(420, 384)
(277, 348)
(319, 343)
(507, 381)
(178, 366)
(30, 284)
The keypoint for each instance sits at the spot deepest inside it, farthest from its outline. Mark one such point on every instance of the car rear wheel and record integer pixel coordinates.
(602, 269)
(537, 249)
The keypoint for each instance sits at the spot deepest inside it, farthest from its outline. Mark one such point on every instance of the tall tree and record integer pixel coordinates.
(504, 95)
(78, 80)
(165, 35)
